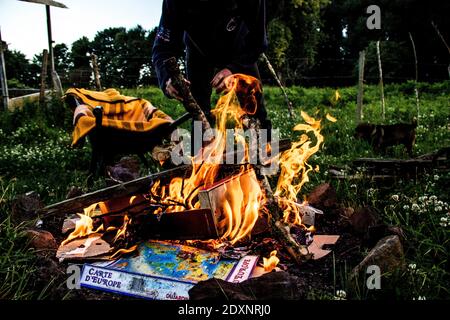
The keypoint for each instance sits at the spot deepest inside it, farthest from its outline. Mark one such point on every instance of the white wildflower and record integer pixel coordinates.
(438, 209)
(433, 198)
(395, 197)
(436, 177)
(340, 295)
(412, 266)
(405, 207)
(415, 207)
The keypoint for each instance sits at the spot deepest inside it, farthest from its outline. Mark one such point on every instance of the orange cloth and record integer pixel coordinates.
(121, 112)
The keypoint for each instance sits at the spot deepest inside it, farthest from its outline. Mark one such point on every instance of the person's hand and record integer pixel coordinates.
(218, 82)
(172, 91)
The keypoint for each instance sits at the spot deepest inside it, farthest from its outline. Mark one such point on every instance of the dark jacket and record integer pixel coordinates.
(227, 33)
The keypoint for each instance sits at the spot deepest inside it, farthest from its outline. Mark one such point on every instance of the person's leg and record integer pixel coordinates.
(199, 72)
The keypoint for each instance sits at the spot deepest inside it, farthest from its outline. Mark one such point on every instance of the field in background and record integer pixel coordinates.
(35, 154)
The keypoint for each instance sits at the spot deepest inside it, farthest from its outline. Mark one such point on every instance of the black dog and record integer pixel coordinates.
(383, 136)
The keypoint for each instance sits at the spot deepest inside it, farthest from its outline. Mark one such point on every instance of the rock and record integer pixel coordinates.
(323, 197)
(273, 285)
(41, 239)
(397, 231)
(387, 254)
(69, 223)
(346, 212)
(126, 169)
(24, 207)
(363, 219)
(74, 192)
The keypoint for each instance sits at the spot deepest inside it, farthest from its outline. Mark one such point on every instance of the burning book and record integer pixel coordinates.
(164, 271)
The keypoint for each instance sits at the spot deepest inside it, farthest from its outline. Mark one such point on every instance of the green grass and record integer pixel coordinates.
(35, 154)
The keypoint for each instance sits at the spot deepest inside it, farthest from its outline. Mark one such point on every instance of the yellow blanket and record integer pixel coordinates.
(119, 111)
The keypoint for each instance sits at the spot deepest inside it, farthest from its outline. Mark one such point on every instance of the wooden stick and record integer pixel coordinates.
(189, 102)
(277, 79)
(440, 36)
(443, 41)
(380, 69)
(359, 107)
(95, 69)
(416, 79)
(281, 230)
(43, 76)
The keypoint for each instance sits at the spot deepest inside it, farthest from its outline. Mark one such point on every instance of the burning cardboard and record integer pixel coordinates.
(315, 248)
(84, 248)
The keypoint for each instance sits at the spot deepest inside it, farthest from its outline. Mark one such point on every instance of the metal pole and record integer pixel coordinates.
(50, 40)
(4, 84)
(55, 77)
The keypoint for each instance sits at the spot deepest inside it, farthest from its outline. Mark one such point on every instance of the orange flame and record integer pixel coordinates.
(121, 252)
(123, 229)
(295, 169)
(83, 227)
(243, 197)
(271, 262)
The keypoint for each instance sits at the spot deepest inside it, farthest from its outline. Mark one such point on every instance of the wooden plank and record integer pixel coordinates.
(121, 190)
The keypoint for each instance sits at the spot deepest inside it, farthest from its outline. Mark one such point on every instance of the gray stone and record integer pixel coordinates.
(387, 254)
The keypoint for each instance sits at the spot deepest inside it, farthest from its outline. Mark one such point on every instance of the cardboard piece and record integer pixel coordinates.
(87, 247)
(319, 241)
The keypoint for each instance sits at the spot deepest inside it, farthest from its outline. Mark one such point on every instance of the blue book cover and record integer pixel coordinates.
(164, 271)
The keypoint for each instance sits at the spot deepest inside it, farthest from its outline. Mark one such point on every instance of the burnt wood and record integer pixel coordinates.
(121, 190)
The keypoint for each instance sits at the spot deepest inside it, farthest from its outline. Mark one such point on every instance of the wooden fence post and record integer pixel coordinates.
(98, 84)
(359, 107)
(380, 69)
(43, 76)
(3, 82)
(416, 91)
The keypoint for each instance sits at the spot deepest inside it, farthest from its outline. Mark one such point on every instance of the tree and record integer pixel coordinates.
(295, 25)
(104, 46)
(398, 18)
(19, 68)
(79, 55)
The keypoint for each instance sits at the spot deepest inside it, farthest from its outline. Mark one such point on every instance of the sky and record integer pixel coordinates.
(24, 25)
